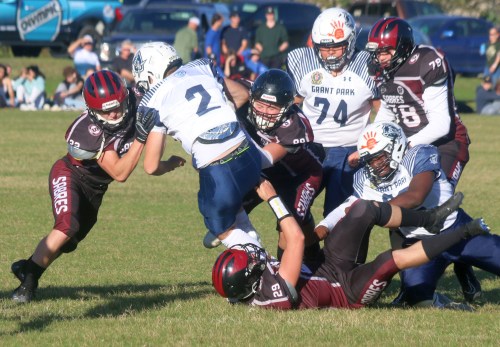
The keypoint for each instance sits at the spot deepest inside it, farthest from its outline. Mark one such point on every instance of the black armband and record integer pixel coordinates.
(279, 208)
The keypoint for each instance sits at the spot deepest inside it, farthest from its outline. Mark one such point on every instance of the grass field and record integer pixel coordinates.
(143, 278)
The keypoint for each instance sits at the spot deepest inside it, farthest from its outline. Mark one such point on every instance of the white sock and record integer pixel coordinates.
(237, 237)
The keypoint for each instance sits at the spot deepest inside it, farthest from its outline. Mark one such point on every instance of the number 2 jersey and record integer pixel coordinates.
(338, 107)
(190, 104)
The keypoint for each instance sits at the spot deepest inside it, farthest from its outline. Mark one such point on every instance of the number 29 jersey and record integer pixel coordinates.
(338, 107)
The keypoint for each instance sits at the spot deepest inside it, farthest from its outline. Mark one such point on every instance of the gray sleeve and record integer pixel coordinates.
(81, 154)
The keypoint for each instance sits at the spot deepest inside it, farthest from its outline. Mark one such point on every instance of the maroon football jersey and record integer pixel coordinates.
(403, 93)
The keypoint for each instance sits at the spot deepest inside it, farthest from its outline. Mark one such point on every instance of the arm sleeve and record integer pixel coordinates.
(436, 106)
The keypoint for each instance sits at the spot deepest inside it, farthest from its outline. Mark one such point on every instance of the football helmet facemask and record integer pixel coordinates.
(237, 271)
(273, 87)
(152, 62)
(381, 147)
(105, 92)
(334, 27)
(386, 34)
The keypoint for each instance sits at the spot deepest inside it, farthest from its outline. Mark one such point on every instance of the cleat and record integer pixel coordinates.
(471, 288)
(24, 294)
(476, 227)
(17, 269)
(442, 212)
(210, 240)
(442, 302)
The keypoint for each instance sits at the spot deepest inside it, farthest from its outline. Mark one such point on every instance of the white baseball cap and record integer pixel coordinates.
(194, 20)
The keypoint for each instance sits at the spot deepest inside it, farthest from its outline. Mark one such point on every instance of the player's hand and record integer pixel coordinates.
(145, 121)
(174, 162)
(265, 190)
(353, 159)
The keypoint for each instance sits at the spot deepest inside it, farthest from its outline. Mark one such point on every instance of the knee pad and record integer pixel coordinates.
(69, 246)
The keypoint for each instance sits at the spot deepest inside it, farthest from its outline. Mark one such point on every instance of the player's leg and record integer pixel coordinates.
(338, 177)
(222, 189)
(68, 205)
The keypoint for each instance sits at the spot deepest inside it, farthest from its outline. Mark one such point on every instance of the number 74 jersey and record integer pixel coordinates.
(337, 107)
(189, 102)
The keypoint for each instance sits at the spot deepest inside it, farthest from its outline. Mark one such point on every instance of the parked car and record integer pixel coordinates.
(369, 11)
(29, 25)
(156, 20)
(363, 31)
(460, 38)
(298, 18)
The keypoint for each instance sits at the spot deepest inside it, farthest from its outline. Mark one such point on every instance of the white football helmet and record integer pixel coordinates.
(334, 27)
(381, 147)
(151, 63)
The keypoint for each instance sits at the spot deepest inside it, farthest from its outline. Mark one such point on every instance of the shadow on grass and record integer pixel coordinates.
(119, 300)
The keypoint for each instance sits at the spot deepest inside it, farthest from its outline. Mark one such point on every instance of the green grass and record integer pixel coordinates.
(142, 277)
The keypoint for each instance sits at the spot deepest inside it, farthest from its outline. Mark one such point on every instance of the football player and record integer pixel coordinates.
(247, 274)
(416, 85)
(280, 128)
(413, 178)
(337, 95)
(190, 103)
(104, 144)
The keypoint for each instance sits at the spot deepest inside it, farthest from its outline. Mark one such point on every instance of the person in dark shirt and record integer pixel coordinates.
(104, 144)
(122, 64)
(487, 97)
(234, 37)
(247, 274)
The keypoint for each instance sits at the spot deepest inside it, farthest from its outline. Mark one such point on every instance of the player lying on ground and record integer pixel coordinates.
(247, 274)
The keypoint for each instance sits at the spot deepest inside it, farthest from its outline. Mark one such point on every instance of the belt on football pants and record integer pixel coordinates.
(242, 148)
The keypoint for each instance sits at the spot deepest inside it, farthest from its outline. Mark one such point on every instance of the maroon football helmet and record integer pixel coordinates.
(389, 33)
(105, 91)
(236, 272)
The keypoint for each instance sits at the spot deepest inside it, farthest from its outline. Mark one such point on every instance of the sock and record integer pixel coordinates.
(435, 245)
(239, 237)
(412, 218)
(33, 272)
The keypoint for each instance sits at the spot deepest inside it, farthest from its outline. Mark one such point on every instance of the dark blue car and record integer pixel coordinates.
(460, 38)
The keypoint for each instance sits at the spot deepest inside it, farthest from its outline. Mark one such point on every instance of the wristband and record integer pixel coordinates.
(279, 208)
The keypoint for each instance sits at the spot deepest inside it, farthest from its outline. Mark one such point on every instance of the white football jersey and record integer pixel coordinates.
(190, 102)
(337, 107)
(418, 159)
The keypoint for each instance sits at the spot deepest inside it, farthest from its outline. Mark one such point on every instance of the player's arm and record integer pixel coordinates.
(291, 261)
(238, 93)
(420, 186)
(155, 146)
(121, 168)
(276, 151)
(436, 105)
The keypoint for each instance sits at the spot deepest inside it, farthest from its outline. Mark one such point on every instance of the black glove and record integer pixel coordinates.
(145, 121)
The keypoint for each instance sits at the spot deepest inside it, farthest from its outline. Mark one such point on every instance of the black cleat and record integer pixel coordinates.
(471, 288)
(24, 293)
(18, 268)
(476, 227)
(442, 212)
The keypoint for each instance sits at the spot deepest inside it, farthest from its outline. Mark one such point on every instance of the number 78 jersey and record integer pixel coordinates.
(337, 107)
(189, 102)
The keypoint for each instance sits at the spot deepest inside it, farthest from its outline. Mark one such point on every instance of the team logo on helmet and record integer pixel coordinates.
(267, 97)
(138, 63)
(390, 131)
(371, 141)
(317, 78)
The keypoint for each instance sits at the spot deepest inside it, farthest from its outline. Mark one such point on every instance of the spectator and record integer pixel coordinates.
(235, 68)
(6, 90)
(30, 89)
(83, 55)
(122, 64)
(493, 55)
(271, 39)
(186, 40)
(68, 93)
(487, 98)
(213, 38)
(234, 37)
(251, 57)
